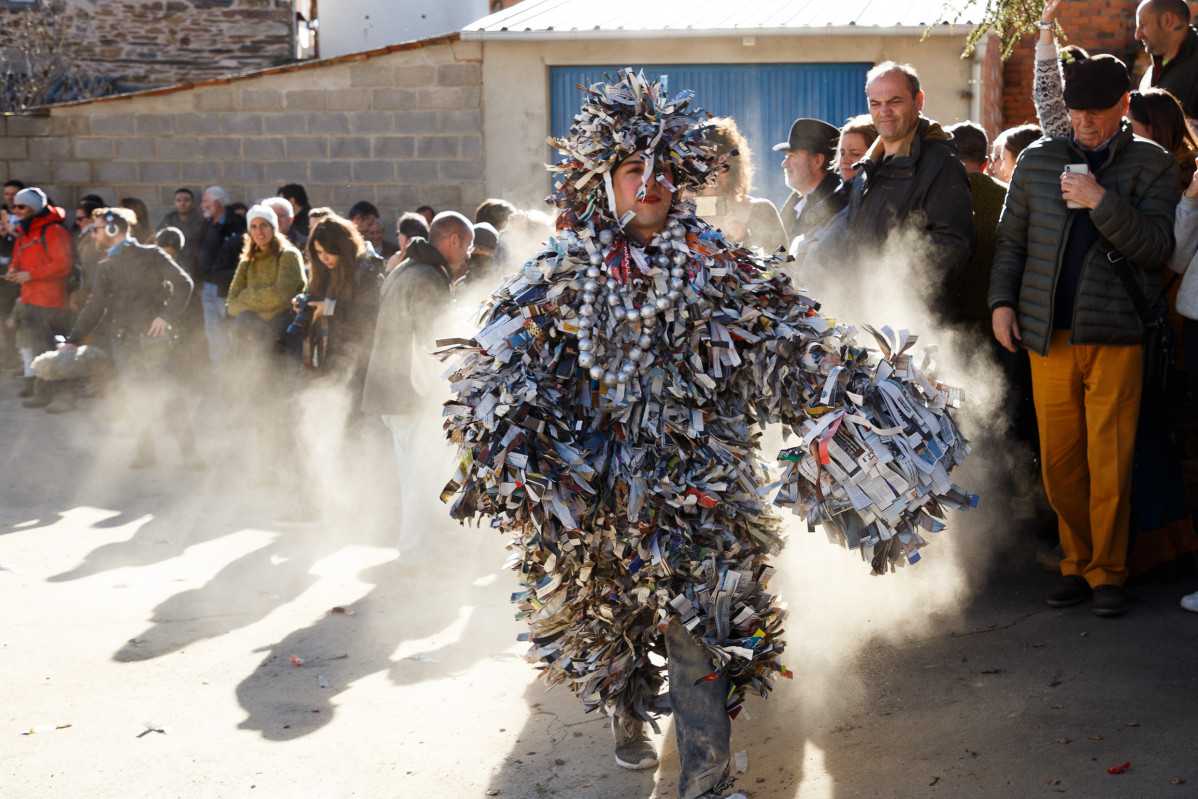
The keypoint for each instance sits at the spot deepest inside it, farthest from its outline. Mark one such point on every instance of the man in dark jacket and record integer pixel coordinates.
(400, 377)
(810, 153)
(1055, 291)
(911, 176)
(142, 292)
(41, 262)
(1163, 27)
(216, 264)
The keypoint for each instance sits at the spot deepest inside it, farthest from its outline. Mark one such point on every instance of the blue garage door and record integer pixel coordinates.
(763, 98)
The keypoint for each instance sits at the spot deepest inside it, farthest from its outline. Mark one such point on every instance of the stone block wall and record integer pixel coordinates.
(165, 42)
(400, 128)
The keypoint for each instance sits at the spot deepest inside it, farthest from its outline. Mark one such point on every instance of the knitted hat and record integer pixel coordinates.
(33, 198)
(263, 212)
(1096, 83)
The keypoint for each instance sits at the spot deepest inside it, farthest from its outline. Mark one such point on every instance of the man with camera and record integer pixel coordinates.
(1078, 212)
(401, 376)
(142, 292)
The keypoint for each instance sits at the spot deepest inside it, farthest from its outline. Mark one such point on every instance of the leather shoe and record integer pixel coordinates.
(1071, 590)
(1108, 601)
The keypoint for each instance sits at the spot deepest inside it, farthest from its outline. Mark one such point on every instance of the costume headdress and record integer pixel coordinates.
(618, 120)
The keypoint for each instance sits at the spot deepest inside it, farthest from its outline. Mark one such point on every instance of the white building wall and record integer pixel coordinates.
(351, 26)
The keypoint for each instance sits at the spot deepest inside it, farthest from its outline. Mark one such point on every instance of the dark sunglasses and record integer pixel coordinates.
(15, 206)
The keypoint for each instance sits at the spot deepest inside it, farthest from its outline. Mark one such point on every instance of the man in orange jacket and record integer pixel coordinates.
(40, 263)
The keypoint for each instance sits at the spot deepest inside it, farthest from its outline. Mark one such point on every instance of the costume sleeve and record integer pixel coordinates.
(1048, 93)
(1143, 232)
(181, 285)
(1010, 246)
(94, 310)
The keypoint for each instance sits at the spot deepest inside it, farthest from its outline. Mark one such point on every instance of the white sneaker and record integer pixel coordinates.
(1190, 602)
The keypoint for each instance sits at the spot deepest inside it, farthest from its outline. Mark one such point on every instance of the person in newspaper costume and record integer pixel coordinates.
(608, 417)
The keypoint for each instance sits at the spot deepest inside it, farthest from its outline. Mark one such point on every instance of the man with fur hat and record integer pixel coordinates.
(142, 293)
(1082, 214)
(607, 418)
(41, 262)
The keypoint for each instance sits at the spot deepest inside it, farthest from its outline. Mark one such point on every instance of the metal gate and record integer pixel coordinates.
(763, 98)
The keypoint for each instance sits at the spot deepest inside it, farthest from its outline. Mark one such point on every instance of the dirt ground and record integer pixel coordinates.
(151, 618)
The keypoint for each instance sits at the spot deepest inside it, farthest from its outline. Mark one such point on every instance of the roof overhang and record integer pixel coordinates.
(614, 34)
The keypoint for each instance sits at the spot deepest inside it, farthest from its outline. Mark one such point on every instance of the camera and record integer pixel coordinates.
(301, 323)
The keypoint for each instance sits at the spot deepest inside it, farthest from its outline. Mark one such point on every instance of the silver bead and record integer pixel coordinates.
(648, 322)
(611, 284)
(596, 372)
(676, 282)
(648, 312)
(677, 271)
(634, 355)
(662, 260)
(592, 271)
(586, 310)
(590, 285)
(663, 304)
(622, 377)
(644, 341)
(618, 313)
(585, 343)
(674, 294)
(596, 259)
(584, 324)
(586, 360)
(612, 300)
(606, 237)
(609, 378)
(679, 259)
(666, 234)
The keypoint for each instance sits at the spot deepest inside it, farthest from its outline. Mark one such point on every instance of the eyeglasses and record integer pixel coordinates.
(15, 206)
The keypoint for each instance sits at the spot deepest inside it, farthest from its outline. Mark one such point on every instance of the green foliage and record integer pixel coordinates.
(1008, 19)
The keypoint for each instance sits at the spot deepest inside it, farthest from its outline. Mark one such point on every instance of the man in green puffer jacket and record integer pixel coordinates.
(1054, 291)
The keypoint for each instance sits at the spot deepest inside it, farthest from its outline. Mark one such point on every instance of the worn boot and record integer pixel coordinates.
(43, 395)
(64, 400)
(27, 391)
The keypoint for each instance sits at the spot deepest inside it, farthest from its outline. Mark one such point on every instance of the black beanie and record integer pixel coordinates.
(1096, 83)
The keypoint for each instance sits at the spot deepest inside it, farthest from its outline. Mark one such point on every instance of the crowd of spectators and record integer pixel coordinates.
(1037, 243)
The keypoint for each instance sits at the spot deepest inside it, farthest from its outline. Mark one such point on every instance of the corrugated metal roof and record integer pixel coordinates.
(574, 18)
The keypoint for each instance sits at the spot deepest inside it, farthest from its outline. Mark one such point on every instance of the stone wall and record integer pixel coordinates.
(165, 42)
(400, 127)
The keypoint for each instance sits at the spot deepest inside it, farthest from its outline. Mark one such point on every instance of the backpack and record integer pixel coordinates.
(75, 276)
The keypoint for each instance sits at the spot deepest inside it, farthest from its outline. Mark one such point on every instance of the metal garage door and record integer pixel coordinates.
(763, 98)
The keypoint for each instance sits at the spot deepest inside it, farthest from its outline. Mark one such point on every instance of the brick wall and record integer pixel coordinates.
(400, 128)
(165, 42)
(1100, 26)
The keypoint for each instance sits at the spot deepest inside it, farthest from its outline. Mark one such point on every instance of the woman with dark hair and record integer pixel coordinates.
(727, 204)
(343, 291)
(1156, 114)
(267, 277)
(142, 230)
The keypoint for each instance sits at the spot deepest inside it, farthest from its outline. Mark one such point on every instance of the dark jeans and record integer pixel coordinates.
(147, 374)
(44, 324)
(701, 721)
